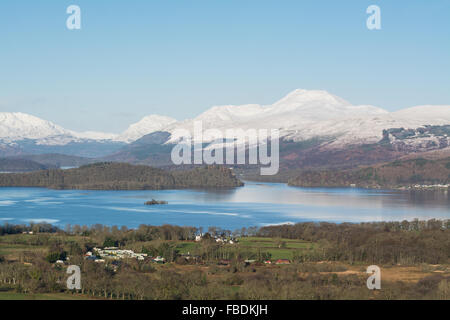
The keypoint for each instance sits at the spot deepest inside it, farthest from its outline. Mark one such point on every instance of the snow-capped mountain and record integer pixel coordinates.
(22, 133)
(360, 129)
(301, 115)
(146, 126)
(308, 114)
(318, 105)
(298, 109)
(19, 126)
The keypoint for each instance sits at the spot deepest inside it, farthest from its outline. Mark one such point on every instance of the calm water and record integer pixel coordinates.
(256, 204)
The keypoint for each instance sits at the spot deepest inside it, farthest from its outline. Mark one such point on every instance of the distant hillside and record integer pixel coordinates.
(148, 150)
(20, 165)
(317, 153)
(84, 148)
(122, 176)
(56, 160)
(407, 173)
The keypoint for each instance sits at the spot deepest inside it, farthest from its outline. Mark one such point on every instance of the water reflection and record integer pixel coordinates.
(348, 197)
(255, 204)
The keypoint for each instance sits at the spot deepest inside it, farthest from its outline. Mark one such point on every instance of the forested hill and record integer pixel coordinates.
(408, 173)
(20, 165)
(122, 176)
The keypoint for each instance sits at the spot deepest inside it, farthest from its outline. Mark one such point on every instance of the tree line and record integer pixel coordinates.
(123, 176)
(406, 242)
(399, 173)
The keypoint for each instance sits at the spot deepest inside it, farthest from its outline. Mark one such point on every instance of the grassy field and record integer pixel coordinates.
(11, 295)
(9, 248)
(278, 248)
(186, 247)
(12, 246)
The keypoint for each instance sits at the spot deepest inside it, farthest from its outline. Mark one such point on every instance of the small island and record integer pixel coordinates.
(155, 202)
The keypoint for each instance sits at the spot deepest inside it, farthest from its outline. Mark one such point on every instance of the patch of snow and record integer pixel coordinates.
(20, 126)
(93, 135)
(301, 115)
(147, 125)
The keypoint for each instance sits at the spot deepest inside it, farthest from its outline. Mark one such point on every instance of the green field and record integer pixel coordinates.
(11, 295)
(278, 248)
(14, 245)
(15, 249)
(186, 247)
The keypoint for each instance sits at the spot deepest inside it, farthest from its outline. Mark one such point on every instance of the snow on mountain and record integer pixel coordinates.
(308, 114)
(315, 105)
(308, 99)
(146, 126)
(300, 115)
(369, 129)
(358, 130)
(299, 106)
(303, 108)
(305, 112)
(94, 135)
(428, 114)
(230, 114)
(20, 126)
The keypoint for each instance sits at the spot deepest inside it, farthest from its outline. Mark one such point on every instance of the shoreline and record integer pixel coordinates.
(440, 188)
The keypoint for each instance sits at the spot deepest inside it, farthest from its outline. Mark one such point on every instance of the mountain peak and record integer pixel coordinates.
(146, 125)
(301, 98)
(19, 126)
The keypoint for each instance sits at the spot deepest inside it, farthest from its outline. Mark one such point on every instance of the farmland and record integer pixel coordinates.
(316, 262)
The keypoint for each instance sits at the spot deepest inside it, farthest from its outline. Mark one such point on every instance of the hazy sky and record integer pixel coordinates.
(178, 58)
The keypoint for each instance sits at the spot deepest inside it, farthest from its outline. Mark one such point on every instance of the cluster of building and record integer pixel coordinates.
(99, 255)
(223, 240)
(227, 262)
(279, 261)
(433, 186)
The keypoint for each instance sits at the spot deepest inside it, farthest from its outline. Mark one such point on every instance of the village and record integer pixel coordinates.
(111, 254)
(99, 255)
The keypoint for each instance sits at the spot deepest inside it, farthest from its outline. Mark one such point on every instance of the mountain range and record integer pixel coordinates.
(316, 128)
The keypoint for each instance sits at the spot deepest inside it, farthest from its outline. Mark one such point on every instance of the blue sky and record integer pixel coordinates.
(177, 58)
